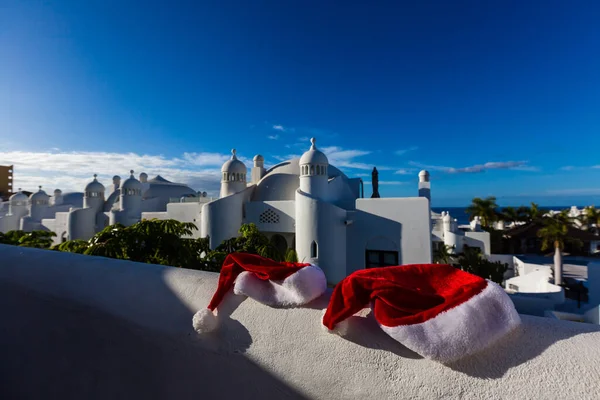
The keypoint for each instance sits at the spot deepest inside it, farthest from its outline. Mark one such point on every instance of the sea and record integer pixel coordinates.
(463, 218)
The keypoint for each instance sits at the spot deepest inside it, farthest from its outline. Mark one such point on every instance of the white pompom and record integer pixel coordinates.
(205, 321)
(341, 328)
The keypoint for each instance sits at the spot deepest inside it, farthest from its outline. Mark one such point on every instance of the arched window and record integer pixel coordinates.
(224, 176)
(314, 250)
(312, 169)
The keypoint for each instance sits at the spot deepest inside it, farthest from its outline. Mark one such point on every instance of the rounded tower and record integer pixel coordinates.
(38, 203)
(313, 172)
(258, 170)
(131, 196)
(17, 204)
(233, 176)
(58, 199)
(424, 185)
(93, 197)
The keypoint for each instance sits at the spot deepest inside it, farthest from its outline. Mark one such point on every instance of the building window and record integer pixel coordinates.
(314, 250)
(312, 169)
(268, 217)
(377, 258)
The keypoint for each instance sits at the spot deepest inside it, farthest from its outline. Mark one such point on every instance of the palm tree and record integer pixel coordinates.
(444, 255)
(533, 213)
(554, 234)
(511, 214)
(484, 209)
(591, 219)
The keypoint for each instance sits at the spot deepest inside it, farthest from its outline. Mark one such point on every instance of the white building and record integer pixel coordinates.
(304, 203)
(311, 206)
(447, 232)
(81, 215)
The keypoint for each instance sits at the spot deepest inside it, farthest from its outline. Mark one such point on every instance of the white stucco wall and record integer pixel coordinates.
(59, 225)
(9, 223)
(95, 328)
(221, 219)
(523, 268)
(479, 239)
(285, 210)
(505, 259)
(407, 219)
(322, 223)
(81, 224)
(185, 212)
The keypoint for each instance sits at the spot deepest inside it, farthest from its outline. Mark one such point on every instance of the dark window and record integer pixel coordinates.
(376, 258)
(314, 250)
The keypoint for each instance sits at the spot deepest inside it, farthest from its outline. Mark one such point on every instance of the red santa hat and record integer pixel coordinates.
(438, 311)
(277, 284)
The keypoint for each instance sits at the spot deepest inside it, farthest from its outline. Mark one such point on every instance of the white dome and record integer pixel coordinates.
(132, 183)
(94, 186)
(258, 157)
(234, 165)
(143, 177)
(57, 191)
(314, 156)
(18, 197)
(39, 195)
(116, 179)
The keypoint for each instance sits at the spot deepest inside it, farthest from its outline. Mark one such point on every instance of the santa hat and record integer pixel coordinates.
(438, 311)
(277, 284)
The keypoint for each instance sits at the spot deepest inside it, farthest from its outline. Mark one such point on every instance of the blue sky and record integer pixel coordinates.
(494, 98)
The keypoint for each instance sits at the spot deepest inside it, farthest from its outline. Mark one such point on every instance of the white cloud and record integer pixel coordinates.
(568, 168)
(405, 171)
(346, 158)
(404, 151)
(279, 128)
(575, 192)
(71, 171)
(273, 137)
(512, 165)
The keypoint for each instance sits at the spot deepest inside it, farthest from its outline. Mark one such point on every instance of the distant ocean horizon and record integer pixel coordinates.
(459, 213)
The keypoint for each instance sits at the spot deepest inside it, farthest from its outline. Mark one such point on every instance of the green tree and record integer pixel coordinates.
(472, 261)
(590, 219)
(533, 213)
(37, 239)
(291, 256)
(443, 255)
(554, 234)
(484, 209)
(164, 242)
(511, 214)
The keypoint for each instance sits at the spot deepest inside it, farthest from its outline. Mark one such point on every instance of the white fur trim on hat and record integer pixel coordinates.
(297, 289)
(205, 321)
(462, 330)
(341, 328)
